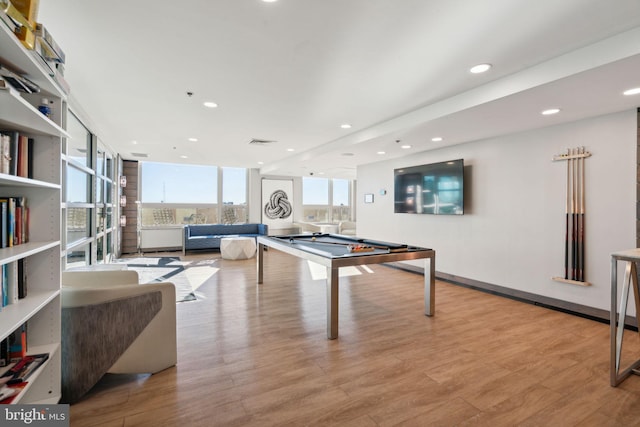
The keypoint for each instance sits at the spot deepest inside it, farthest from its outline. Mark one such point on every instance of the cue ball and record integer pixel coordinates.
(313, 239)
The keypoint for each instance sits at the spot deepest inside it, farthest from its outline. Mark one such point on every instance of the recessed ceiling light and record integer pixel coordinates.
(480, 68)
(269, 1)
(210, 104)
(436, 139)
(134, 142)
(405, 147)
(290, 149)
(261, 163)
(634, 91)
(381, 152)
(345, 126)
(550, 111)
(193, 139)
(183, 157)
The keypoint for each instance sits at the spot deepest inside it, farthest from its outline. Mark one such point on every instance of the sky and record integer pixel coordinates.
(178, 183)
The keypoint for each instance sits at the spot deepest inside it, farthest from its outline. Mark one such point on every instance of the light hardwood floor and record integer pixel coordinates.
(252, 355)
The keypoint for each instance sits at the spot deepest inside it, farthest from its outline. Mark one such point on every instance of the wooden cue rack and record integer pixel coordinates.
(574, 247)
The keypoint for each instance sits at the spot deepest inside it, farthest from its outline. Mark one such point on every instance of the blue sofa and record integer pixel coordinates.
(208, 236)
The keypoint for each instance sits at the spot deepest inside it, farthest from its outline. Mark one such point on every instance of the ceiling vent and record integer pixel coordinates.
(256, 141)
(139, 154)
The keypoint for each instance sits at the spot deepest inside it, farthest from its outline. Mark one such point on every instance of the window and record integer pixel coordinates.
(234, 195)
(316, 194)
(341, 208)
(78, 185)
(174, 183)
(77, 224)
(174, 194)
(79, 144)
(315, 199)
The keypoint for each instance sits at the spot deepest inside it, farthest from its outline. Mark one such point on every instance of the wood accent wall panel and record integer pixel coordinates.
(130, 231)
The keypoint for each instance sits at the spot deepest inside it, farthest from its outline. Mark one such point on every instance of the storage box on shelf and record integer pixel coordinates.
(39, 309)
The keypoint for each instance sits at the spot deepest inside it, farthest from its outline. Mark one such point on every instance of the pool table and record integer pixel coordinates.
(334, 251)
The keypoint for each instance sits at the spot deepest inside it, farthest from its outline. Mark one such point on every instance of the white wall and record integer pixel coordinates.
(513, 230)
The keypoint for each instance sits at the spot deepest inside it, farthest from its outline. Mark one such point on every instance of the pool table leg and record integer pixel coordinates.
(260, 262)
(429, 286)
(332, 303)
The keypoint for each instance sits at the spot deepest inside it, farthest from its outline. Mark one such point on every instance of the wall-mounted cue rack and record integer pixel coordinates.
(574, 246)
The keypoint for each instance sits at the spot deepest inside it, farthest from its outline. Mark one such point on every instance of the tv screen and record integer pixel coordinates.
(436, 188)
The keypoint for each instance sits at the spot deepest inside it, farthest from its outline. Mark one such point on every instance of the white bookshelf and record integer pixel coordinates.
(40, 309)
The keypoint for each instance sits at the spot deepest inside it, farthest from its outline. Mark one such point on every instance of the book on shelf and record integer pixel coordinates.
(14, 221)
(9, 392)
(4, 352)
(41, 56)
(22, 278)
(18, 344)
(16, 154)
(14, 137)
(11, 220)
(10, 277)
(5, 153)
(52, 50)
(4, 288)
(4, 222)
(13, 283)
(19, 82)
(24, 368)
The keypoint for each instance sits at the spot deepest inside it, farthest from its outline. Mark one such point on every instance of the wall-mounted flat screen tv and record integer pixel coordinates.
(436, 188)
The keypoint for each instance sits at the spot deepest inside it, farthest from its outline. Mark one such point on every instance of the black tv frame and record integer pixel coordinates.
(411, 194)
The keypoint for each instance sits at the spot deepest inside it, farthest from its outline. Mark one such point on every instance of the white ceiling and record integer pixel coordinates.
(293, 71)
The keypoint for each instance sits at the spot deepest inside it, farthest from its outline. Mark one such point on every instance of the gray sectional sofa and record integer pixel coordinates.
(208, 236)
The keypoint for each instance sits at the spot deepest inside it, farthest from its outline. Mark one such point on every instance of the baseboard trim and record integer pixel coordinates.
(592, 313)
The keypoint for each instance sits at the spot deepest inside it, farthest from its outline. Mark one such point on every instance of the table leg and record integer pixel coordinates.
(429, 286)
(332, 303)
(260, 262)
(629, 284)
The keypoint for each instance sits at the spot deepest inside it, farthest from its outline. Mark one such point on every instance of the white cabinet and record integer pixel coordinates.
(40, 308)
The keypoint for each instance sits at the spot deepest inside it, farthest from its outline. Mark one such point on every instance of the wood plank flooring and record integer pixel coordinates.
(252, 355)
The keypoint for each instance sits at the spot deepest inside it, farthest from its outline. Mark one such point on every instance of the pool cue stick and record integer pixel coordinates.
(347, 244)
(574, 220)
(566, 231)
(581, 218)
(577, 186)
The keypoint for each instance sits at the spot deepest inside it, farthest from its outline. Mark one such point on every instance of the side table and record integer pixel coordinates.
(237, 247)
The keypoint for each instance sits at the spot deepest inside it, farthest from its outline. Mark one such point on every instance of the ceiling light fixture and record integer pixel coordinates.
(405, 147)
(550, 111)
(436, 139)
(290, 149)
(634, 91)
(210, 104)
(345, 126)
(269, 1)
(480, 68)
(381, 152)
(193, 139)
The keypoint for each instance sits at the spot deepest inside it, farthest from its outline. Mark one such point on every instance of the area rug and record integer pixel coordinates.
(188, 276)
